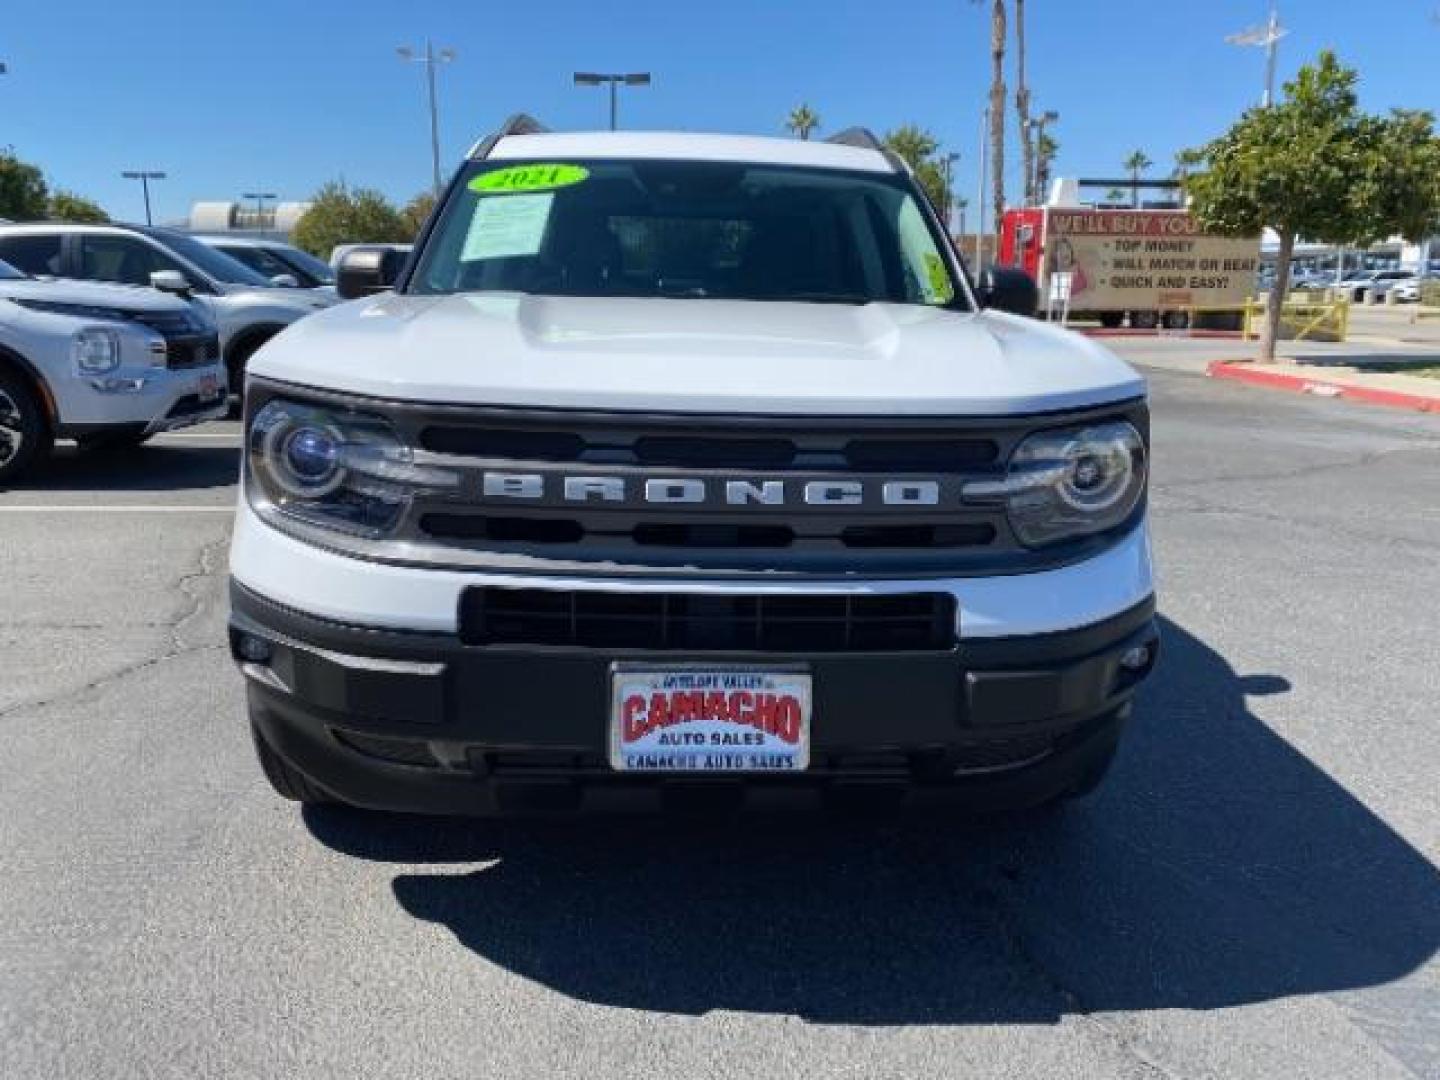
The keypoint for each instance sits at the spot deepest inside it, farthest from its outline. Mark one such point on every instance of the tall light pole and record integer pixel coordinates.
(948, 161)
(596, 78)
(1038, 124)
(259, 197)
(144, 176)
(1266, 37)
(430, 59)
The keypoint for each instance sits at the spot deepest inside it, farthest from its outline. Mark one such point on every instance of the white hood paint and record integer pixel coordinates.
(702, 356)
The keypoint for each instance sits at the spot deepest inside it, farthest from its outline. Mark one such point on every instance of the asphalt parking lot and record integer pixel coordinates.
(1254, 893)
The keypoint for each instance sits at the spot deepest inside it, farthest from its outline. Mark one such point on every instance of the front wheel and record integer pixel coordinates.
(25, 436)
(288, 782)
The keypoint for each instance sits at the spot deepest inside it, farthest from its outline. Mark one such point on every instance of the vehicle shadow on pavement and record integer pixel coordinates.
(1218, 866)
(146, 468)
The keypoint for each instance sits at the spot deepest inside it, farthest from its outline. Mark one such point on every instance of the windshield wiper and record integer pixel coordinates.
(823, 298)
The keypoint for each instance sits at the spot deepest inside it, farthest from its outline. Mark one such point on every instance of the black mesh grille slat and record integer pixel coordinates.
(686, 451)
(504, 443)
(920, 455)
(696, 622)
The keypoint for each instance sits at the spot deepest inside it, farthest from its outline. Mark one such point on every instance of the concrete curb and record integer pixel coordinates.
(1248, 372)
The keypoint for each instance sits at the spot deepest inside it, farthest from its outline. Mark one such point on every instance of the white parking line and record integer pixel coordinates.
(114, 509)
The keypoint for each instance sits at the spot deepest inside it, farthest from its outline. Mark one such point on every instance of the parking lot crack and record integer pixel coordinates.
(1299, 472)
(1025, 957)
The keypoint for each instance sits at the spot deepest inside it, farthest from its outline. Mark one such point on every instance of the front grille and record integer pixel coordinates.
(620, 493)
(187, 345)
(902, 622)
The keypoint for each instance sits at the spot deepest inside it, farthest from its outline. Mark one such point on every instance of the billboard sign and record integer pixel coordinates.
(1147, 260)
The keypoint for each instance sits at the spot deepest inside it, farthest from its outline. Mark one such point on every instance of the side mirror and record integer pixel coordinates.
(1009, 290)
(285, 281)
(365, 271)
(171, 281)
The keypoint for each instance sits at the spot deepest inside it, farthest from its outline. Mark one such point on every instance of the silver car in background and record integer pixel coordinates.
(248, 308)
(105, 365)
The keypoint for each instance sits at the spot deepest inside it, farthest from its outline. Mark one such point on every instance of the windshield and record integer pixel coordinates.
(683, 229)
(9, 273)
(306, 264)
(217, 264)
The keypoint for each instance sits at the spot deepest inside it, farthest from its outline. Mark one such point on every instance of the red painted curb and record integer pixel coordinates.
(1276, 380)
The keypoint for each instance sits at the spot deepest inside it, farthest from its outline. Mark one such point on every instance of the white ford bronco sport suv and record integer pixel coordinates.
(105, 365)
(687, 467)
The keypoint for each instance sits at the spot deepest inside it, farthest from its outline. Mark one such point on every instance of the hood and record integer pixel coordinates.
(93, 294)
(696, 356)
(303, 301)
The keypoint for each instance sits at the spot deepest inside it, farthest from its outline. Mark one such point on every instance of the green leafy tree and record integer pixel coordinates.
(416, 211)
(1114, 196)
(1314, 165)
(802, 121)
(1135, 165)
(67, 206)
(918, 148)
(339, 214)
(23, 194)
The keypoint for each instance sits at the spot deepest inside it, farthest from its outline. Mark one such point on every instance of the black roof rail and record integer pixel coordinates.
(518, 124)
(862, 137)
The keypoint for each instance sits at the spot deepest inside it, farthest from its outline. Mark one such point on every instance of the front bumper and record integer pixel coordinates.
(166, 400)
(421, 722)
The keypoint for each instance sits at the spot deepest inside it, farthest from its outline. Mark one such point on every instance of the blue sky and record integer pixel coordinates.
(281, 96)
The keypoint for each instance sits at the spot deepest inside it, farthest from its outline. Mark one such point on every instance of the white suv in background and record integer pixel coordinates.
(101, 364)
(248, 309)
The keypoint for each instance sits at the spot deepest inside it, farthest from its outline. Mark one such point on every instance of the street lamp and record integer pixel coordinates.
(595, 78)
(260, 197)
(144, 176)
(1265, 37)
(1038, 124)
(430, 59)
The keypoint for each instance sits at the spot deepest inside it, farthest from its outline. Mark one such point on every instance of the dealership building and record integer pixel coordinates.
(274, 222)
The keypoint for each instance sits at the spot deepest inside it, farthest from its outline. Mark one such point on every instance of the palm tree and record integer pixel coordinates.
(997, 110)
(1185, 162)
(1022, 106)
(1114, 197)
(1046, 147)
(802, 120)
(1136, 164)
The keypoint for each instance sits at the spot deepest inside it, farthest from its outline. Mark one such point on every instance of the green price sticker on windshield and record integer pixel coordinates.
(529, 178)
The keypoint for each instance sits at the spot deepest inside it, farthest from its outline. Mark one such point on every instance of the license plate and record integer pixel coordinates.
(709, 720)
(208, 387)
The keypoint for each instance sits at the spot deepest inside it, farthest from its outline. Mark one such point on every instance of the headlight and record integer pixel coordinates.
(95, 350)
(1070, 483)
(333, 468)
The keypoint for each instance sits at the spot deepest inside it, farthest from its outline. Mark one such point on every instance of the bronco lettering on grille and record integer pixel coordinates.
(663, 490)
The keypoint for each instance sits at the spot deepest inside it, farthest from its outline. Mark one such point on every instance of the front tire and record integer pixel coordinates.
(25, 435)
(288, 782)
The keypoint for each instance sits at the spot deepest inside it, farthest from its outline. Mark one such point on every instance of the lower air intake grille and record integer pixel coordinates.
(906, 622)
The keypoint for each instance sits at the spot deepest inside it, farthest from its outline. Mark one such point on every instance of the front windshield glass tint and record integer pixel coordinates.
(688, 230)
(217, 264)
(306, 263)
(8, 272)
